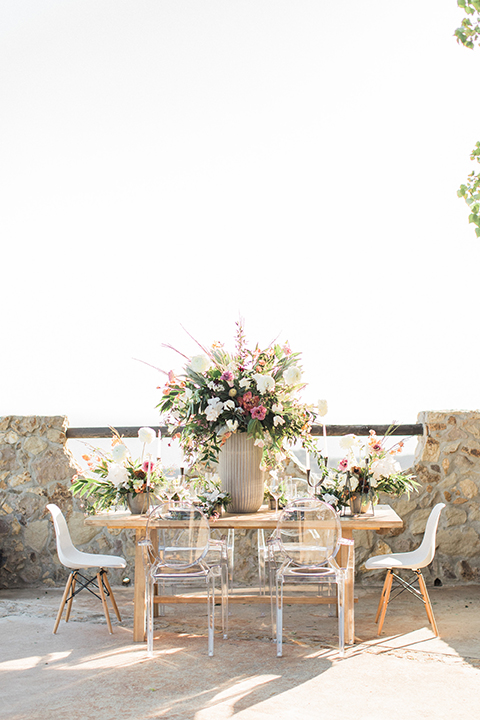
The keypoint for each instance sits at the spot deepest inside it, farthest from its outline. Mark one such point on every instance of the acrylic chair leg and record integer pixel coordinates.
(271, 582)
(224, 583)
(261, 550)
(231, 555)
(386, 598)
(63, 601)
(341, 616)
(428, 604)
(149, 616)
(112, 598)
(211, 612)
(382, 596)
(104, 602)
(70, 601)
(279, 617)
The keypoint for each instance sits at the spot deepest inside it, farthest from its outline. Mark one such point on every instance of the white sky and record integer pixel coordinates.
(168, 162)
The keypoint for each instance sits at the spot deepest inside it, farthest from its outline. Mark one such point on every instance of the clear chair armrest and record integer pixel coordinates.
(346, 541)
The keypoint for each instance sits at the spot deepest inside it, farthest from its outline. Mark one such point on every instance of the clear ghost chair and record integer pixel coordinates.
(303, 550)
(175, 550)
(294, 488)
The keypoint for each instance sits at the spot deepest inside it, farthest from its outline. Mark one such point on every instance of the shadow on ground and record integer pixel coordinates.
(83, 671)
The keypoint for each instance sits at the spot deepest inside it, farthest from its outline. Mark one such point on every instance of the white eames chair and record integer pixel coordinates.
(76, 560)
(414, 561)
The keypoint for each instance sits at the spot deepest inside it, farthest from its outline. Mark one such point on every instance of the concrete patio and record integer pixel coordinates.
(85, 672)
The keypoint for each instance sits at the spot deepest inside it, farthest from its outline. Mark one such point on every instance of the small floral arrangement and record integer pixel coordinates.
(210, 498)
(111, 477)
(332, 488)
(248, 391)
(372, 467)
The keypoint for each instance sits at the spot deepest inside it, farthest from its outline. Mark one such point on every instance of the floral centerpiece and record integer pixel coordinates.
(366, 470)
(220, 394)
(110, 478)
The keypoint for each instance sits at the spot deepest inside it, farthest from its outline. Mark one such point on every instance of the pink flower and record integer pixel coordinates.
(146, 465)
(259, 412)
(343, 465)
(228, 377)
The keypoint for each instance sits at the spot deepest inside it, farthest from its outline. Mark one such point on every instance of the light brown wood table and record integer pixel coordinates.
(264, 519)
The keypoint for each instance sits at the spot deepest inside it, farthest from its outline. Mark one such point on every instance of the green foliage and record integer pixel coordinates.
(468, 34)
(470, 192)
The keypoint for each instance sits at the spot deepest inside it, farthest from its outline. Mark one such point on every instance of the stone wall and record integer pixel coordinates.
(36, 468)
(447, 465)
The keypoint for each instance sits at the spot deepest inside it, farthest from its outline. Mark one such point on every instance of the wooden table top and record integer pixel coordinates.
(384, 517)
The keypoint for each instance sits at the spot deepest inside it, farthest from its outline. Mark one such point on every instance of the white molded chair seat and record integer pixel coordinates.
(415, 561)
(75, 560)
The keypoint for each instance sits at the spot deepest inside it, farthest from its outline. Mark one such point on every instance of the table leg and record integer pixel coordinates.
(139, 590)
(347, 560)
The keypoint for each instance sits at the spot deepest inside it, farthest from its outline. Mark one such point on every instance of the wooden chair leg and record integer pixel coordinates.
(112, 599)
(104, 602)
(72, 590)
(382, 597)
(386, 598)
(63, 601)
(428, 604)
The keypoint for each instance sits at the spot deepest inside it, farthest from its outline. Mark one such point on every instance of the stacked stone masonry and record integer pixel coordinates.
(36, 468)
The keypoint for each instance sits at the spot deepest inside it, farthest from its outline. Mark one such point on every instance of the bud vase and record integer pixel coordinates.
(239, 469)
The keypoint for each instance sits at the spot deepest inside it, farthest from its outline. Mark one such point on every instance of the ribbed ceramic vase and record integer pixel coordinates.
(239, 468)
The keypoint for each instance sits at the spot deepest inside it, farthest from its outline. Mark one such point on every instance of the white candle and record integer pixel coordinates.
(149, 471)
(159, 446)
(325, 446)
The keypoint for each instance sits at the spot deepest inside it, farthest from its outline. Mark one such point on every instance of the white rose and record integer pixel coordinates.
(213, 409)
(259, 443)
(244, 383)
(146, 435)
(117, 475)
(199, 363)
(232, 425)
(229, 405)
(347, 441)
(322, 408)
(278, 420)
(265, 383)
(278, 408)
(119, 452)
(292, 375)
(384, 467)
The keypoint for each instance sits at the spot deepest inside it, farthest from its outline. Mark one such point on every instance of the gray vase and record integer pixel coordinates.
(239, 469)
(138, 503)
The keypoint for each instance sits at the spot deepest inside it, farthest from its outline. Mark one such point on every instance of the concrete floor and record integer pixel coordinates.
(83, 672)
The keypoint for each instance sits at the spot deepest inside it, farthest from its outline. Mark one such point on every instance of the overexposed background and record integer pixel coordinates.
(186, 162)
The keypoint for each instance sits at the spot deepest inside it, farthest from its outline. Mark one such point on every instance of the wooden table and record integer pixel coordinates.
(264, 519)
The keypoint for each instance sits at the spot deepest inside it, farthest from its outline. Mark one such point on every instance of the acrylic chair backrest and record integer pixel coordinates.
(426, 551)
(65, 547)
(181, 536)
(309, 532)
